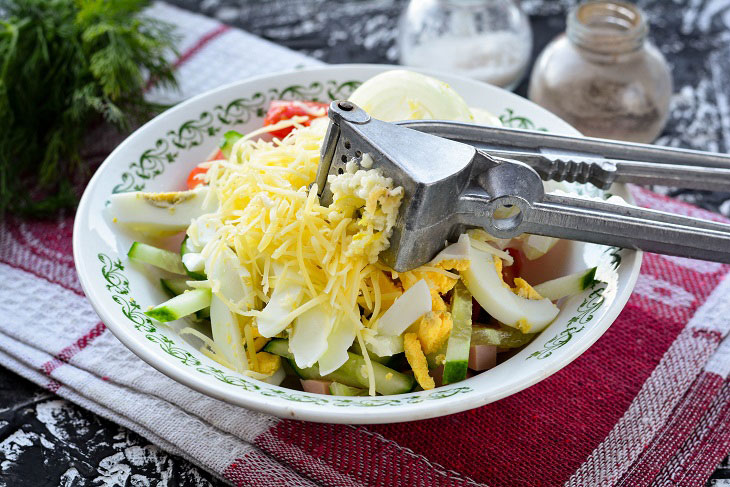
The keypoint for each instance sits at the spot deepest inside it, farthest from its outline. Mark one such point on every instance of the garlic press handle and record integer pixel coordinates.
(604, 172)
(587, 220)
(518, 140)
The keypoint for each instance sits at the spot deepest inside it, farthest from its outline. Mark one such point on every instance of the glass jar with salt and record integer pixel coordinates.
(603, 76)
(489, 40)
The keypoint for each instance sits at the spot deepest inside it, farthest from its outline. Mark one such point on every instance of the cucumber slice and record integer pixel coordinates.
(175, 286)
(280, 347)
(182, 305)
(164, 259)
(457, 348)
(431, 357)
(567, 285)
(178, 285)
(229, 138)
(185, 248)
(351, 373)
(307, 373)
(385, 383)
(337, 389)
(503, 337)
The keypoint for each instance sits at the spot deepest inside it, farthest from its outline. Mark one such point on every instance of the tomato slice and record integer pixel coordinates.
(284, 110)
(195, 177)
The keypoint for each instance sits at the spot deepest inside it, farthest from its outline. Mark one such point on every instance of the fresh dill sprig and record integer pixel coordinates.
(64, 64)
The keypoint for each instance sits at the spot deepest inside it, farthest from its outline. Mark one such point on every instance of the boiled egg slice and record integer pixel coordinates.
(160, 214)
(497, 299)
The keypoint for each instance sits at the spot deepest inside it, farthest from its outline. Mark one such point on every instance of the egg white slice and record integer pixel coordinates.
(406, 95)
(455, 251)
(160, 214)
(308, 340)
(227, 334)
(410, 306)
(285, 298)
(382, 345)
(230, 280)
(338, 341)
(487, 287)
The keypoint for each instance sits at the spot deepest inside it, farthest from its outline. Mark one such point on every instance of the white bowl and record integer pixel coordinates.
(158, 156)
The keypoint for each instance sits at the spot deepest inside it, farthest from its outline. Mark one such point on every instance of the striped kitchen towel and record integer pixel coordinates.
(648, 404)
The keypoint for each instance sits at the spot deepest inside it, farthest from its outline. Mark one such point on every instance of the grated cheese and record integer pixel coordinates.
(271, 218)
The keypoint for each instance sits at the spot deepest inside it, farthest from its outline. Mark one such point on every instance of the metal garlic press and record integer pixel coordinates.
(458, 176)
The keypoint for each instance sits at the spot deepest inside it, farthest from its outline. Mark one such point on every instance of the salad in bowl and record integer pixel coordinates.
(211, 257)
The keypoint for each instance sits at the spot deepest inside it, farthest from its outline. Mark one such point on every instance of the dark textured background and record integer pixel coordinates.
(46, 441)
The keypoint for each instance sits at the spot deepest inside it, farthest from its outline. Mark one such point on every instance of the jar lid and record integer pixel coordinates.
(607, 27)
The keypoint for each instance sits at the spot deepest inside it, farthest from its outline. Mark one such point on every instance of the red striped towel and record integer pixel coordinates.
(648, 404)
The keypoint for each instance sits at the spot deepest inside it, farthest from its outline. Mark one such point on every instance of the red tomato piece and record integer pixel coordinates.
(195, 178)
(284, 110)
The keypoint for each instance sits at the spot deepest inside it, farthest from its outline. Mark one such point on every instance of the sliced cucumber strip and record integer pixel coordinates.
(175, 286)
(567, 285)
(387, 380)
(457, 348)
(186, 248)
(178, 285)
(182, 305)
(164, 259)
(337, 389)
(352, 373)
(307, 373)
(229, 138)
(503, 337)
(433, 358)
(280, 347)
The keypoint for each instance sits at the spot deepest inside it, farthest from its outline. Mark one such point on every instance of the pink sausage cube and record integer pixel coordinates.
(316, 386)
(482, 357)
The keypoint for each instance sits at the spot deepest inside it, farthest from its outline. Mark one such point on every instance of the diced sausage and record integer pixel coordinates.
(482, 357)
(316, 386)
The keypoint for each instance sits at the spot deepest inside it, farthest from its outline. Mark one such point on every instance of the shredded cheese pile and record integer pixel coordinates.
(273, 221)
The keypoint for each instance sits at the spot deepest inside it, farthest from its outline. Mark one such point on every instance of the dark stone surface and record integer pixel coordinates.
(46, 441)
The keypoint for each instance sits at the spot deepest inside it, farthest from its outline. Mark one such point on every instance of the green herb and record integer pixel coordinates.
(65, 64)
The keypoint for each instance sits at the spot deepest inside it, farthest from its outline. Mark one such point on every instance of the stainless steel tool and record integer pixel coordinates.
(451, 186)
